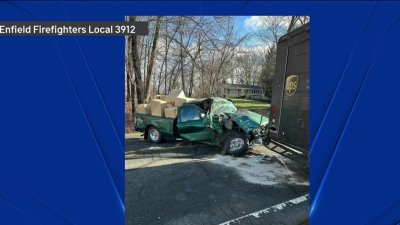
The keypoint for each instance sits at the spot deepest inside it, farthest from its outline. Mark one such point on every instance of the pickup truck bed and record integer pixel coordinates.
(165, 125)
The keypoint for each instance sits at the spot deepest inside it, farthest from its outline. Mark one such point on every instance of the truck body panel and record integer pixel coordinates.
(289, 117)
(165, 125)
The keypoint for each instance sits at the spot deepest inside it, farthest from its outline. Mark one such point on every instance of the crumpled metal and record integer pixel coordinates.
(246, 119)
(222, 106)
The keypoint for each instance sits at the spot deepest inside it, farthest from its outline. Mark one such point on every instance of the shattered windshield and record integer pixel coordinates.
(222, 106)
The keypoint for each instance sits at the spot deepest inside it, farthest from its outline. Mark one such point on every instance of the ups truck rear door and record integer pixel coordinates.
(290, 94)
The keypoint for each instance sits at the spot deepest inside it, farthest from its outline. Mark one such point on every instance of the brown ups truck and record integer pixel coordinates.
(289, 115)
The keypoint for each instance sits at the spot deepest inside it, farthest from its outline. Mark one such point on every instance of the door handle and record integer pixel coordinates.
(300, 122)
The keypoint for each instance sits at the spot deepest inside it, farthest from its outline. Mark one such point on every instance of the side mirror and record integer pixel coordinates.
(202, 115)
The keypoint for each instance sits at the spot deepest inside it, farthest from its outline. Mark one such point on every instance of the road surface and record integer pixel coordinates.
(178, 183)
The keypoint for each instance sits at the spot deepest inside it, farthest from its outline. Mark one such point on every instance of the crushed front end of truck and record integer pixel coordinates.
(225, 117)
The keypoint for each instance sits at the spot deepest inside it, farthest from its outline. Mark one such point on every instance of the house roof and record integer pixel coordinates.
(243, 86)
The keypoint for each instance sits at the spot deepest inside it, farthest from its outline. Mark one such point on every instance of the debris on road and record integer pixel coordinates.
(258, 169)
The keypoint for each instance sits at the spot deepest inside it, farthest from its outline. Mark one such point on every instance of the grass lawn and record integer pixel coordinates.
(252, 105)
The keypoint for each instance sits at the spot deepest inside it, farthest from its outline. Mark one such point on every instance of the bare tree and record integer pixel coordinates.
(133, 68)
(297, 21)
(270, 32)
(151, 59)
(199, 54)
(128, 67)
(268, 70)
(181, 53)
(248, 67)
(272, 28)
(168, 42)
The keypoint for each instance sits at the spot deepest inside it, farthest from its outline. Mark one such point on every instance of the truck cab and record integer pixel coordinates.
(191, 123)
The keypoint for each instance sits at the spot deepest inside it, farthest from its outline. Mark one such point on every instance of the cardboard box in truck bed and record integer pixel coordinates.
(158, 107)
(143, 109)
(180, 100)
(171, 112)
(173, 95)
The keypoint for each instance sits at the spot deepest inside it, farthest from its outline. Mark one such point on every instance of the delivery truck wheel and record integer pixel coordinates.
(154, 135)
(235, 144)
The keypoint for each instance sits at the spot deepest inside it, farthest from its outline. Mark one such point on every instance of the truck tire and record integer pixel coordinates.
(235, 144)
(154, 135)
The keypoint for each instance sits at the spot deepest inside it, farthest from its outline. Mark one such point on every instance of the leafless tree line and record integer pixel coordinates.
(199, 54)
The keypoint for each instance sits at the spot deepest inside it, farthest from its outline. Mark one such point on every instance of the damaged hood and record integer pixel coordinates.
(248, 120)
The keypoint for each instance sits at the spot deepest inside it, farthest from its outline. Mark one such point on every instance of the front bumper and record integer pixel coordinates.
(260, 135)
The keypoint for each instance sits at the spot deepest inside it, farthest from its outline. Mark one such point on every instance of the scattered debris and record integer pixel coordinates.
(258, 169)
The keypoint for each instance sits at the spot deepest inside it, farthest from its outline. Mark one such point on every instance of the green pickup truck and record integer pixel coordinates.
(214, 121)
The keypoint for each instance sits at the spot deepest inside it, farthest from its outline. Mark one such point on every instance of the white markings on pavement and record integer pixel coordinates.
(274, 208)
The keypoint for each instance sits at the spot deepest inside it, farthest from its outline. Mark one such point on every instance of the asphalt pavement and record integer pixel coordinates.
(181, 183)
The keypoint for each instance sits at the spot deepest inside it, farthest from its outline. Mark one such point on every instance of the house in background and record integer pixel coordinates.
(242, 91)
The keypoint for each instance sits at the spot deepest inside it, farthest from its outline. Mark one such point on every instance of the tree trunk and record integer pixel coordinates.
(134, 101)
(128, 65)
(128, 88)
(160, 76)
(166, 57)
(172, 77)
(181, 71)
(135, 62)
(130, 61)
(151, 60)
(181, 61)
(191, 81)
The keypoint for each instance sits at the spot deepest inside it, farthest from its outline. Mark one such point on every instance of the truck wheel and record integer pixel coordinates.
(154, 135)
(235, 144)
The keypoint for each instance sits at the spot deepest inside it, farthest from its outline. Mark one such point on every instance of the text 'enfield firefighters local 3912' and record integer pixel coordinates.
(66, 30)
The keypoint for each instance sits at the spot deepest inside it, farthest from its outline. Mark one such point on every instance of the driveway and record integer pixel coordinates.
(180, 183)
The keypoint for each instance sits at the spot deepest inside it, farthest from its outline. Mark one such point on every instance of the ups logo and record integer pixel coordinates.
(291, 84)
